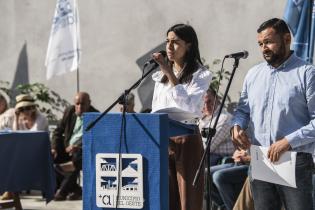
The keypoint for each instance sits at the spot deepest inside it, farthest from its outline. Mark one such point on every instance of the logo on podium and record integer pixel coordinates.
(119, 182)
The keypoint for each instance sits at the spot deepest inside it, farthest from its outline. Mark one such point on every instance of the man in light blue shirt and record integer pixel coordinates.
(277, 107)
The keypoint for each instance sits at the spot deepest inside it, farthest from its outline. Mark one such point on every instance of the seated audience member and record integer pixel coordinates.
(130, 104)
(6, 114)
(221, 144)
(3, 104)
(7, 119)
(228, 180)
(27, 117)
(24, 116)
(67, 148)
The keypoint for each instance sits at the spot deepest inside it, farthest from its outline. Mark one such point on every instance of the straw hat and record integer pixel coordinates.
(24, 100)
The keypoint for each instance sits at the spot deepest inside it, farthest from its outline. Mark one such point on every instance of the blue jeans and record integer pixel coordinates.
(269, 196)
(313, 191)
(214, 193)
(228, 180)
(214, 159)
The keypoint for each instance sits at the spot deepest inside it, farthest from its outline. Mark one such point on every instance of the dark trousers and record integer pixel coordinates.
(185, 153)
(67, 182)
(269, 196)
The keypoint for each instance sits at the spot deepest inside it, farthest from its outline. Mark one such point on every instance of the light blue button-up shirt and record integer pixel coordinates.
(279, 102)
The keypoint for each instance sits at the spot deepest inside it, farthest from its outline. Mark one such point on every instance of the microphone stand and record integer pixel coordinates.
(210, 135)
(121, 98)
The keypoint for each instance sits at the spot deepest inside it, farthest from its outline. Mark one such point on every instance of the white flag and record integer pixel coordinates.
(64, 47)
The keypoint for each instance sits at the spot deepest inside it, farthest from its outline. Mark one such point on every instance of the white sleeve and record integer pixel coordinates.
(7, 119)
(189, 97)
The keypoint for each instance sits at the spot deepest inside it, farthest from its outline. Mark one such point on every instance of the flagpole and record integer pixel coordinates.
(310, 36)
(78, 80)
(78, 50)
(310, 31)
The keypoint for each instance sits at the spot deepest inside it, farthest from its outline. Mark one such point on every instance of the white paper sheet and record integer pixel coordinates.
(281, 172)
(177, 114)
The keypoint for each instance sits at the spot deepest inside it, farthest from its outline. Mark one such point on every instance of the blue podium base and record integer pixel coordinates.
(147, 135)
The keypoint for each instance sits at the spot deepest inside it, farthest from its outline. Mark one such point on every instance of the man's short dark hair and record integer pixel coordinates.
(277, 24)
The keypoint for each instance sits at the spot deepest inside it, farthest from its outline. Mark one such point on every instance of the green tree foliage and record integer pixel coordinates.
(218, 77)
(49, 102)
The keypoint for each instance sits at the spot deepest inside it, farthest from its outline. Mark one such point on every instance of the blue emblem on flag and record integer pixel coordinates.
(64, 16)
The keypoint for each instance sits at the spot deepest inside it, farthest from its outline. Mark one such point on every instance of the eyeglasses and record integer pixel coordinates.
(26, 108)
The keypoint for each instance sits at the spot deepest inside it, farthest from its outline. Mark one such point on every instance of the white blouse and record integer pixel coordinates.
(187, 96)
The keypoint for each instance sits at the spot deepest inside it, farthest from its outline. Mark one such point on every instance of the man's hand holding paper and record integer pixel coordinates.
(280, 172)
(277, 149)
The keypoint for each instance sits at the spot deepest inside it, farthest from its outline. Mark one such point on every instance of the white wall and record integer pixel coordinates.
(115, 33)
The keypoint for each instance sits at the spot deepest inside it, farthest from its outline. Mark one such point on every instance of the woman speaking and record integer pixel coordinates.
(181, 83)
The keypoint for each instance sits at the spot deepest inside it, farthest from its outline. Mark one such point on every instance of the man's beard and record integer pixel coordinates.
(276, 58)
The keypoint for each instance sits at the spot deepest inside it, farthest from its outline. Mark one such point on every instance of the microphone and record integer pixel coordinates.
(238, 55)
(153, 61)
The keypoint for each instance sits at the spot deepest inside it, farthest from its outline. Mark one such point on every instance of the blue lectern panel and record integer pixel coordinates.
(146, 134)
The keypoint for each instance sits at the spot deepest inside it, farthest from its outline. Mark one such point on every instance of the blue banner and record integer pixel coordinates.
(299, 15)
(312, 36)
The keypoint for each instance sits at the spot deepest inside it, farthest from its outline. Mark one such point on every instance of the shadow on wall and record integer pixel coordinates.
(145, 89)
(21, 72)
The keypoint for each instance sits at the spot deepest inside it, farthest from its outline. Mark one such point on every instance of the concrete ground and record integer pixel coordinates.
(34, 201)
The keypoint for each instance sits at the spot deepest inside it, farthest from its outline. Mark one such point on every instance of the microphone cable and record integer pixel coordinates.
(122, 139)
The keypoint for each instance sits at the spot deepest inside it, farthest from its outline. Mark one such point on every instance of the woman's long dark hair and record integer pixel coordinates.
(192, 58)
